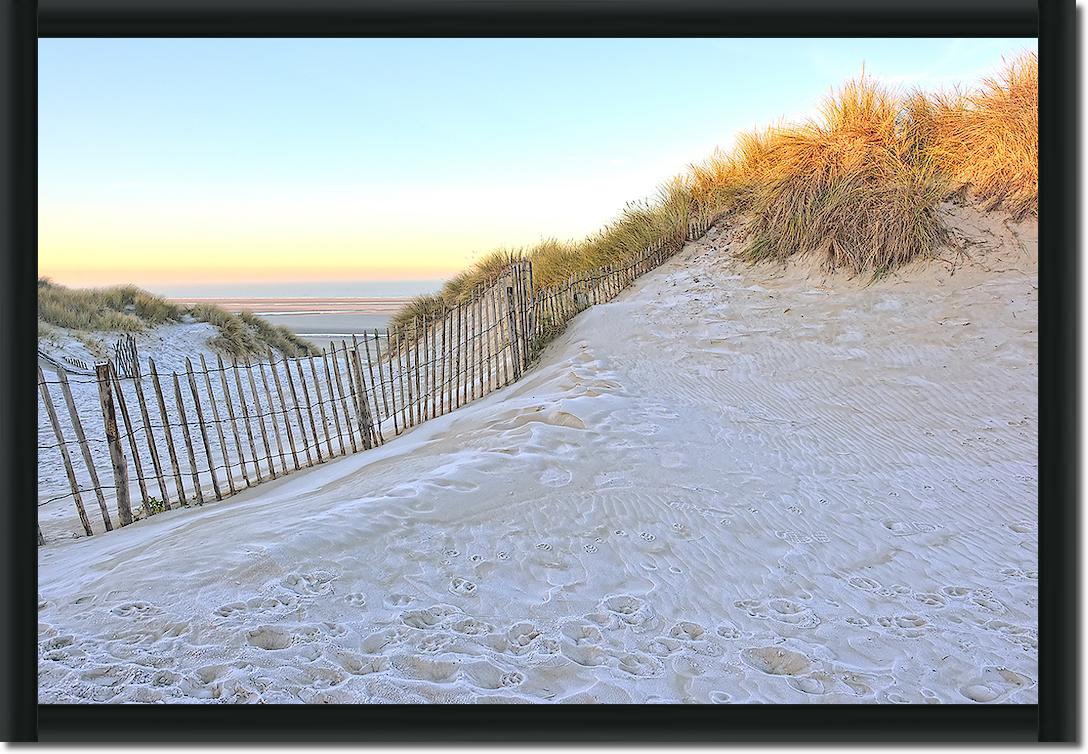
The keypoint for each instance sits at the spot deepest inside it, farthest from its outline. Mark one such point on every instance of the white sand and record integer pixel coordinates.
(730, 484)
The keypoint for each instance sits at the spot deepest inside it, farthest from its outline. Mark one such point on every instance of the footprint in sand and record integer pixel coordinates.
(780, 610)
(422, 619)
(639, 665)
(687, 631)
(434, 643)
(612, 480)
(522, 638)
(909, 528)
(729, 632)
(355, 599)
(994, 684)
(309, 584)
(396, 599)
(904, 625)
(624, 609)
(984, 599)
(472, 627)
(816, 684)
(555, 477)
(776, 660)
(134, 609)
(864, 583)
(359, 664)
(270, 638)
(930, 599)
(462, 587)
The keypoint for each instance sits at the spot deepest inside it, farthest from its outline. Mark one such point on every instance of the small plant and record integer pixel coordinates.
(155, 505)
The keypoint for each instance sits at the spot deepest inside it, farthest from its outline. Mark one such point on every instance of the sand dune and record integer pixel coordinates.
(731, 484)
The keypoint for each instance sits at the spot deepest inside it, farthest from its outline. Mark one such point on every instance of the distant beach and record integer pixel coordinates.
(319, 320)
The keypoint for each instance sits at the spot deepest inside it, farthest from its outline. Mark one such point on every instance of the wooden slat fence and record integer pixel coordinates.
(210, 431)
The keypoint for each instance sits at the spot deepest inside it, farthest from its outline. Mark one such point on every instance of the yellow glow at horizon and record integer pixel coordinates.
(154, 234)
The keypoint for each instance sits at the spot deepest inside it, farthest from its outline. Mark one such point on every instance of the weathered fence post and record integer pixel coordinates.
(131, 432)
(176, 467)
(332, 403)
(343, 397)
(376, 417)
(513, 325)
(150, 437)
(321, 408)
(233, 420)
(272, 413)
(488, 332)
(450, 376)
(420, 404)
(113, 440)
(68, 469)
(298, 410)
(369, 435)
(432, 343)
(500, 347)
(249, 425)
(218, 424)
(392, 381)
(203, 428)
(286, 411)
(260, 419)
(84, 448)
(194, 472)
(309, 410)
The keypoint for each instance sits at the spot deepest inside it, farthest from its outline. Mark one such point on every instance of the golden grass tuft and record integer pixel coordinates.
(842, 187)
(986, 141)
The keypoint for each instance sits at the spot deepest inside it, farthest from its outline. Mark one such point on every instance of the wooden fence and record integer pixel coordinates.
(208, 431)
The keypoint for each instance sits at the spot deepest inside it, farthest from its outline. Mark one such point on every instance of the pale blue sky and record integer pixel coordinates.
(399, 158)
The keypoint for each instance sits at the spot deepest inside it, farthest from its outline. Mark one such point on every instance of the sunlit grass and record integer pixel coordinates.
(985, 141)
(842, 187)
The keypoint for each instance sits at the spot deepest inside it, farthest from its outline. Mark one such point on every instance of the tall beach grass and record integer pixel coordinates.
(860, 185)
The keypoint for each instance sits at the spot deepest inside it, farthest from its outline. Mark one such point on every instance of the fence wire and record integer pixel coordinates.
(347, 396)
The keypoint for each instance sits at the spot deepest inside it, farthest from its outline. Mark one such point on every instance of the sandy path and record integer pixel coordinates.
(730, 484)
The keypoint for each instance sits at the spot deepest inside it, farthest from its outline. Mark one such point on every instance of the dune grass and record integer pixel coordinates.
(843, 187)
(131, 309)
(986, 141)
(860, 186)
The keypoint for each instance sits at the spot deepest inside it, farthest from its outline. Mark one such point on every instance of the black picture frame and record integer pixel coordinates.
(1053, 21)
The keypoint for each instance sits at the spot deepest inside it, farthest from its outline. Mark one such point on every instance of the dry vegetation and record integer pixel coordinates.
(130, 309)
(860, 186)
(986, 141)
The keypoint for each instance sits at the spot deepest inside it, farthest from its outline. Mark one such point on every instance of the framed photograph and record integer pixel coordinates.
(398, 360)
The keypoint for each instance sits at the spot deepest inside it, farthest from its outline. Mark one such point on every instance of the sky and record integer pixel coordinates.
(343, 167)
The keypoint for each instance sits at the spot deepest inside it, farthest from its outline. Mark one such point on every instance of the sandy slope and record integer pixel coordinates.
(731, 484)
